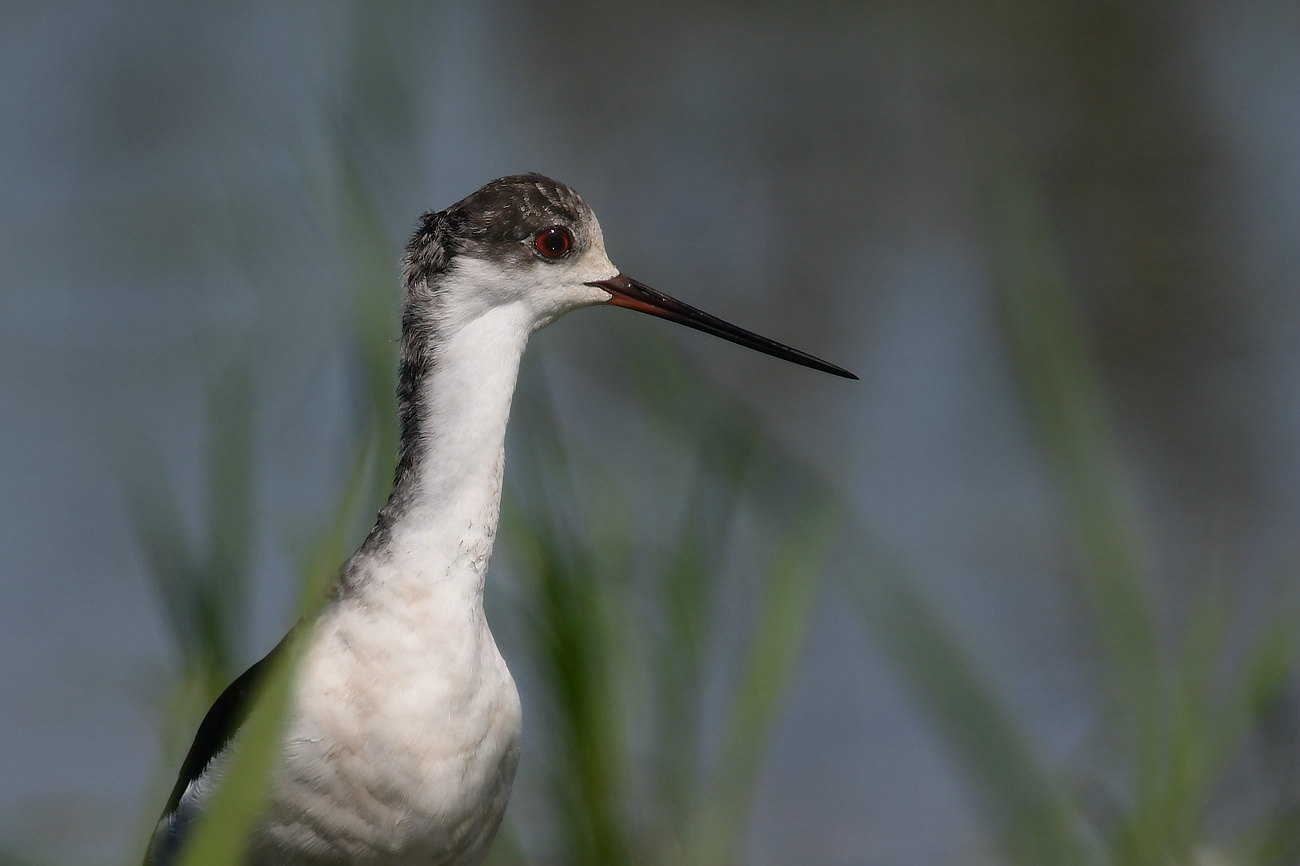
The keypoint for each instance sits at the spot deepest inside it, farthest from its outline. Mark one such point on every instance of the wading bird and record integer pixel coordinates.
(404, 724)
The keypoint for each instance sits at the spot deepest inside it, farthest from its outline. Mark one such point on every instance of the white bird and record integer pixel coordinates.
(403, 731)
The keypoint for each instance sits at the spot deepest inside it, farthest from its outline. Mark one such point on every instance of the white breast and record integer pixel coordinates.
(403, 742)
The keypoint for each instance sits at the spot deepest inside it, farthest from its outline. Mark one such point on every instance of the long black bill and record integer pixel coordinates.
(627, 292)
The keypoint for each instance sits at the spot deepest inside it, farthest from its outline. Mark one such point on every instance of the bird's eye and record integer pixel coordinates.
(553, 242)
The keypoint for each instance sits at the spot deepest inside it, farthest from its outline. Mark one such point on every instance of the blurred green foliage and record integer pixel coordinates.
(625, 624)
(1182, 700)
(621, 622)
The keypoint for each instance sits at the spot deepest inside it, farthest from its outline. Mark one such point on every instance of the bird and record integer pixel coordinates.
(404, 724)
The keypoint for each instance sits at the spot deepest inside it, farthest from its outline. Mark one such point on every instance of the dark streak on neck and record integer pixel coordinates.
(428, 255)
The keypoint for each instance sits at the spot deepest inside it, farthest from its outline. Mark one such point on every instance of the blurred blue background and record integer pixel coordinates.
(170, 179)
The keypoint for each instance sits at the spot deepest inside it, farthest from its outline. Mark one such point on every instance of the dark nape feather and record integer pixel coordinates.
(222, 723)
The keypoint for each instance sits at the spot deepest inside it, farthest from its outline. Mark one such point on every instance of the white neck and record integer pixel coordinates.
(444, 519)
(465, 407)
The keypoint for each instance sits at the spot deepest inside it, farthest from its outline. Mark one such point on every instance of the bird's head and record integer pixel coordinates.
(523, 240)
(532, 242)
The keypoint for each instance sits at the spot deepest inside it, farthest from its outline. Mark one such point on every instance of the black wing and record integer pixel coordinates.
(221, 724)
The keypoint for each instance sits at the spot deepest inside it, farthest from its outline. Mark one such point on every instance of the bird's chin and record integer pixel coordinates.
(574, 298)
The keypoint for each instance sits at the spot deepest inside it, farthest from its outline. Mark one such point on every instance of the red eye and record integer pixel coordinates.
(553, 242)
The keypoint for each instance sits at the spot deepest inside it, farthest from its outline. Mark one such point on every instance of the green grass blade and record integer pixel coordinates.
(1065, 401)
(220, 836)
(231, 505)
(173, 567)
(777, 645)
(571, 556)
(686, 597)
